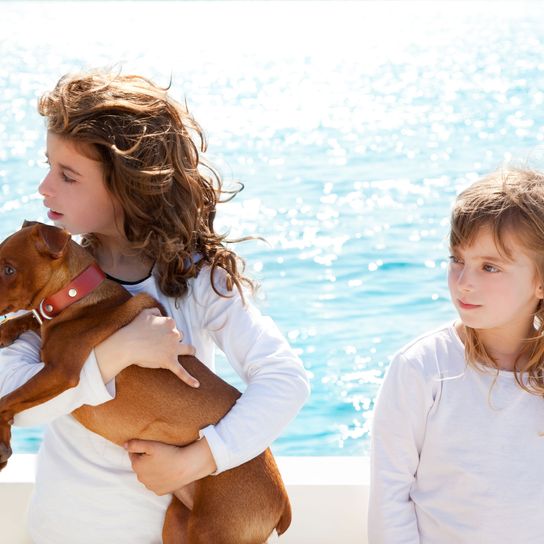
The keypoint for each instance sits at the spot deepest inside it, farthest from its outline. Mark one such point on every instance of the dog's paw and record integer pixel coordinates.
(5, 448)
(10, 330)
(5, 454)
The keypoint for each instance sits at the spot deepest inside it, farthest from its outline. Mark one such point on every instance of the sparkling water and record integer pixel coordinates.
(352, 127)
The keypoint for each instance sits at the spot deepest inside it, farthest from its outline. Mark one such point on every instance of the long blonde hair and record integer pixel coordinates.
(509, 201)
(150, 148)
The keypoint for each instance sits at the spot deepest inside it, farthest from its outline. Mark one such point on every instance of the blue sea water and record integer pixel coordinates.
(352, 127)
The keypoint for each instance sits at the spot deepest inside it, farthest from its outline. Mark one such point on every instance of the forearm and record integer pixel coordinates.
(392, 515)
(195, 462)
(111, 358)
(149, 341)
(398, 431)
(277, 389)
(394, 522)
(254, 346)
(21, 361)
(256, 420)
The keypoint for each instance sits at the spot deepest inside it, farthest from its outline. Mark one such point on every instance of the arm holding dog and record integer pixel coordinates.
(21, 361)
(150, 341)
(277, 388)
(61, 260)
(277, 382)
(184, 464)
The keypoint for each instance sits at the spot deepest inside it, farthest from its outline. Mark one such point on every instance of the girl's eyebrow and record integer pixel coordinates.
(66, 167)
(491, 258)
(495, 258)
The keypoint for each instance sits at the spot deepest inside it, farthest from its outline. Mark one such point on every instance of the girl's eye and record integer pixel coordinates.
(491, 268)
(9, 270)
(455, 260)
(67, 179)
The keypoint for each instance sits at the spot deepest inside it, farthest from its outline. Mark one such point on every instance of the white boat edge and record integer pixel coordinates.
(329, 497)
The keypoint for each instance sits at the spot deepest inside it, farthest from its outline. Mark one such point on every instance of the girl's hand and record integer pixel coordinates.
(163, 468)
(151, 341)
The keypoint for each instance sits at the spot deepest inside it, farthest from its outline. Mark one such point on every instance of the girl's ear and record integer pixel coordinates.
(540, 292)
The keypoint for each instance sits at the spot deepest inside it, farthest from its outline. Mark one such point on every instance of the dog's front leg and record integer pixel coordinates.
(5, 448)
(43, 386)
(12, 328)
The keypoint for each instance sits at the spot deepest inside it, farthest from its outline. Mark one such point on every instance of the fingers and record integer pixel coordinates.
(168, 324)
(183, 375)
(149, 313)
(179, 371)
(139, 447)
(134, 458)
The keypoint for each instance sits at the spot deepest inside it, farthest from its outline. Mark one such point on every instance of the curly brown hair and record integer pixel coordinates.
(508, 202)
(151, 150)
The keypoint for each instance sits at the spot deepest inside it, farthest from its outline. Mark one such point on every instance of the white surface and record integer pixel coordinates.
(329, 496)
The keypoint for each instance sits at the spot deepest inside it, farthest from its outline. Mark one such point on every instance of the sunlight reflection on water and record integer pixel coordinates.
(352, 126)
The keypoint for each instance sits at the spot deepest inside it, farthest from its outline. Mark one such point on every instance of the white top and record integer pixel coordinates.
(85, 489)
(454, 460)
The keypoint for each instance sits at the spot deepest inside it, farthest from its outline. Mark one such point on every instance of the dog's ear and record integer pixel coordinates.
(52, 241)
(28, 223)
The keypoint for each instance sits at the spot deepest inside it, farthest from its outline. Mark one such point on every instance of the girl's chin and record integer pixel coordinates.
(472, 323)
(62, 225)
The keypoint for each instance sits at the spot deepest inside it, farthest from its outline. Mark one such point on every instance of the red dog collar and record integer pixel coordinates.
(78, 288)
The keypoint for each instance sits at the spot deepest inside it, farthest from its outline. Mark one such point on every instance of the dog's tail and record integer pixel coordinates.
(285, 520)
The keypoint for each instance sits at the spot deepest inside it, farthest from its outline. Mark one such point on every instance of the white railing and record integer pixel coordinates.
(329, 496)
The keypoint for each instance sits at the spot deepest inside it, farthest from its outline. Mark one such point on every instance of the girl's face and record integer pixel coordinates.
(75, 193)
(490, 291)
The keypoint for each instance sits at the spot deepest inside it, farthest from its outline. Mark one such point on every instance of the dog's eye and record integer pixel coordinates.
(9, 270)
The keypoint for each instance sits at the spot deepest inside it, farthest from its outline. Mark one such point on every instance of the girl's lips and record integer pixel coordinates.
(466, 306)
(54, 216)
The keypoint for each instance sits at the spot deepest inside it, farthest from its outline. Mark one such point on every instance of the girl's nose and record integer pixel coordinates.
(45, 188)
(465, 280)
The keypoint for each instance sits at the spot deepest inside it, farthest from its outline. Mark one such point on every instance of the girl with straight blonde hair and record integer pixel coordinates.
(457, 440)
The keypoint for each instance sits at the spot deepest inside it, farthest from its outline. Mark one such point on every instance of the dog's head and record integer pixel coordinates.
(32, 265)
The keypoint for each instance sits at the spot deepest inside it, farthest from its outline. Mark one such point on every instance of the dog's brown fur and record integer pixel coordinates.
(238, 506)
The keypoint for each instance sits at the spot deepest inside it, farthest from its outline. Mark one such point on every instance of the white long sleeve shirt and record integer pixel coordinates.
(456, 459)
(86, 491)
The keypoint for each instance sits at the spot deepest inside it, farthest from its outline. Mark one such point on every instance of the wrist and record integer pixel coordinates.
(111, 361)
(208, 462)
(198, 456)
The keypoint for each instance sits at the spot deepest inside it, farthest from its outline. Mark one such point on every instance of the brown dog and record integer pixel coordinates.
(39, 261)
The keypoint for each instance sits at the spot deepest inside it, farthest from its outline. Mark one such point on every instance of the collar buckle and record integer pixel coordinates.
(41, 312)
